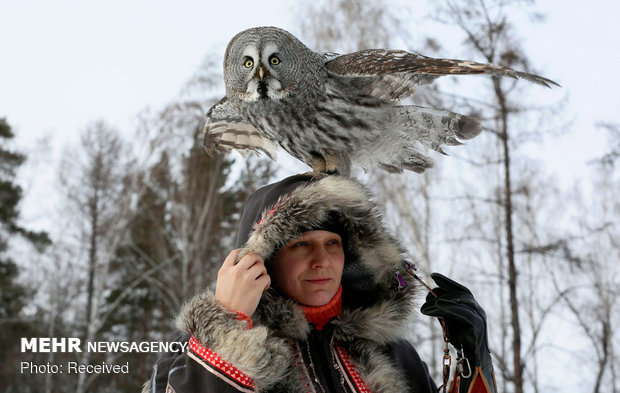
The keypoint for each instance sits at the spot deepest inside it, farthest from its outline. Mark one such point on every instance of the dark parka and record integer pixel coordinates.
(363, 349)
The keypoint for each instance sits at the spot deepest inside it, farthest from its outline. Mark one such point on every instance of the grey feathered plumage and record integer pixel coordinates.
(331, 110)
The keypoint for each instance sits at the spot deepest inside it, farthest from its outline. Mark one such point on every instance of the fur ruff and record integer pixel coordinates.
(264, 352)
(255, 352)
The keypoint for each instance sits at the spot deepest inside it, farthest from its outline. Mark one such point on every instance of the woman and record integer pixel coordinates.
(312, 301)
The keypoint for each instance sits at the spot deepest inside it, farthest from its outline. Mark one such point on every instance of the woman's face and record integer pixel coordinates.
(308, 269)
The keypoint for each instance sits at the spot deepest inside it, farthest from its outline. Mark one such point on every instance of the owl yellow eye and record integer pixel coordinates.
(248, 63)
(274, 60)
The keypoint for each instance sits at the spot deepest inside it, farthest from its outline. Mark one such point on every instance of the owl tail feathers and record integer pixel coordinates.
(409, 160)
(436, 127)
(420, 129)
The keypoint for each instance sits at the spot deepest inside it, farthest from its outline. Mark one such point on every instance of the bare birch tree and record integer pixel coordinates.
(93, 177)
(490, 37)
(592, 290)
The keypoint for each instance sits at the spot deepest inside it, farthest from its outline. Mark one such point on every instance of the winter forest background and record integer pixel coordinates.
(142, 217)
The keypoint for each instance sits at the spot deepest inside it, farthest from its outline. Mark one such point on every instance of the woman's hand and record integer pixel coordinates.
(466, 329)
(240, 286)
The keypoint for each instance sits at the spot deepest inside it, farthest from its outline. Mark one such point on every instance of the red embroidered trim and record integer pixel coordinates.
(270, 212)
(479, 383)
(216, 361)
(245, 317)
(350, 367)
(267, 214)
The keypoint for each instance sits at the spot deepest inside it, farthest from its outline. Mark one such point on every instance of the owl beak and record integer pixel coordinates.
(261, 72)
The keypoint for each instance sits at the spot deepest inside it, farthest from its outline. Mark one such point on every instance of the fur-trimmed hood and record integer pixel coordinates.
(377, 294)
(376, 306)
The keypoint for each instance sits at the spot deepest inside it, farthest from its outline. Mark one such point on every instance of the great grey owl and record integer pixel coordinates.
(330, 110)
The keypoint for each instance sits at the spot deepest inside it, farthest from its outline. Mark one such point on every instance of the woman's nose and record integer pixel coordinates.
(320, 257)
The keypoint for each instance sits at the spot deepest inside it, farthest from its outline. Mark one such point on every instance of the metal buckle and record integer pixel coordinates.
(459, 367)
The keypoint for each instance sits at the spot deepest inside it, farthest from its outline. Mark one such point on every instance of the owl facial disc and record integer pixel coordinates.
(261, 63)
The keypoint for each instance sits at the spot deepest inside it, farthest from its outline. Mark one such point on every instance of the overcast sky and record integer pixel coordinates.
(66, 63)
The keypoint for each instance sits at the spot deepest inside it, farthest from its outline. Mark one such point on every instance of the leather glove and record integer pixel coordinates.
(466, 329)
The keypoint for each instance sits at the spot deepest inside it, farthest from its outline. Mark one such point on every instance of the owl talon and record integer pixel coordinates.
(318, 163)
(337, 164)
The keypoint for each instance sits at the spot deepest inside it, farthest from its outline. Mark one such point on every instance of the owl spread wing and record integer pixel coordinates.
(227, 130)
(395, 74)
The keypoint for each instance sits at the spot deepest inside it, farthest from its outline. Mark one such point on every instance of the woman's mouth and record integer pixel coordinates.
(319, 281)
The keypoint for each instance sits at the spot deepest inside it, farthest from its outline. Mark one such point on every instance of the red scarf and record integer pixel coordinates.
(321, 315)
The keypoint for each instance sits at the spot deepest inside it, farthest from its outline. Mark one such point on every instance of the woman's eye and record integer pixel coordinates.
(248, 63)
(299, 244)
(274, 60)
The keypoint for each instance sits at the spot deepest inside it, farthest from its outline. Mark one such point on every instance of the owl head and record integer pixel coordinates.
(267, 63)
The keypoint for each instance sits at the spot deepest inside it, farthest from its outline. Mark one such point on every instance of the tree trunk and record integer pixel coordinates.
(602, 363)
(90, 307)
(512, 268)
(92, 258)
(51, 331)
